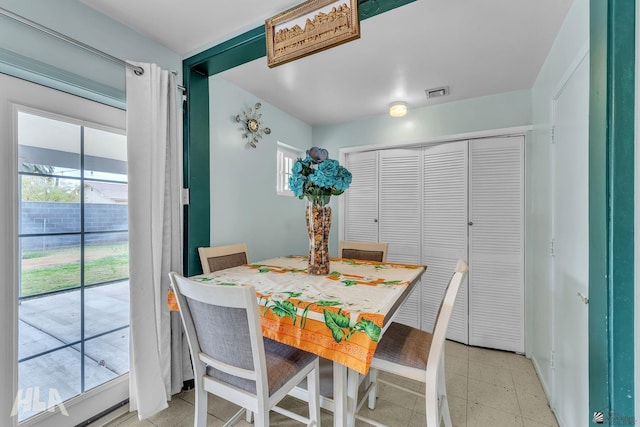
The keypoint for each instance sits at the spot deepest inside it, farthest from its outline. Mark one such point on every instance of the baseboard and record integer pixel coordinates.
(545, 388)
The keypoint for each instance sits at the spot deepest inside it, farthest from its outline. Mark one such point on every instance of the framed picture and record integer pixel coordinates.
(310, 27)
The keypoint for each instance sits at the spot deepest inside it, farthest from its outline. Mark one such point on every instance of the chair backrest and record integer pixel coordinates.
(223, 330)
(220, 257)
(436, 350)
(363, 250)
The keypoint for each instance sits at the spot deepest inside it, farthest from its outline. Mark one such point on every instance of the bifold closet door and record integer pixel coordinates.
(444, 232)
(400, 175)
(361, 199)
(496, 243)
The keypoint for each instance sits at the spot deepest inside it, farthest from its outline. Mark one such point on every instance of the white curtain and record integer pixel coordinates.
(158, 361)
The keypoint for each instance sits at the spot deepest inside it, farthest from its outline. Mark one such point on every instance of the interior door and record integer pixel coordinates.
(444, 232)
(361, 200)
(570, 261)
(496, 243)
(400, 202)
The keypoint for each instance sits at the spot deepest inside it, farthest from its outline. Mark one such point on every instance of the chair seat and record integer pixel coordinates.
(404, 345)
(283, 363)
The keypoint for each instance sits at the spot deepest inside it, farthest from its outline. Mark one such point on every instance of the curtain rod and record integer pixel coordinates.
(136, 69)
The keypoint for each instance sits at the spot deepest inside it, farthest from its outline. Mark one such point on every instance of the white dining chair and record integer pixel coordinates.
(216, 258)
(232, 359)
(418, 355)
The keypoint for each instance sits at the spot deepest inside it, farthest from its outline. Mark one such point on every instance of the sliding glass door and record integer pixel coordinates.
(63, 256)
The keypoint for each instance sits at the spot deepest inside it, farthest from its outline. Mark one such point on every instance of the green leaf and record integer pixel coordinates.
(205, 279)
(368, 327)
(340, 319)
(334, 274)
(349, 282)
(284, 308)
(333, 326)
(303, 317)
(292, 294)
(228, 284)
(264, 269)
(392, 282)
(324, 303)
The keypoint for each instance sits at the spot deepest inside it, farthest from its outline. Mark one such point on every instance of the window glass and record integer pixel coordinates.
(286, 157)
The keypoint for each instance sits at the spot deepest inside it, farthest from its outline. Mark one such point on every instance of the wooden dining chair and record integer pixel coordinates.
(418, 355)
(232, 359)
(220, 257)
(363, 250)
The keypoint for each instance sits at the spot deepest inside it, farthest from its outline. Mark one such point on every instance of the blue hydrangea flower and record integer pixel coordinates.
(318, 180)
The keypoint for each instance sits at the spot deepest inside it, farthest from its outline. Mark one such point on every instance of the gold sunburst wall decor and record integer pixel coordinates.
(252, 128)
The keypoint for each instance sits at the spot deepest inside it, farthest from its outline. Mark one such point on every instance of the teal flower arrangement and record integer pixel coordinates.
(317, 177)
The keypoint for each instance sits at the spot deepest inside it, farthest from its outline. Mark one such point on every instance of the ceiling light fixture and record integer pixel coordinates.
(398, 109)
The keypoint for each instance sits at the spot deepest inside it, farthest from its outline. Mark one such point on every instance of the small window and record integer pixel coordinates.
(287, 156)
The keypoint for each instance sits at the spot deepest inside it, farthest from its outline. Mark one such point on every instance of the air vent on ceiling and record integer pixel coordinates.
(437, 92)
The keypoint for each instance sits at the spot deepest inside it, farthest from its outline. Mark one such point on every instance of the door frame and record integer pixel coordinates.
(21, 93)
(611, 210)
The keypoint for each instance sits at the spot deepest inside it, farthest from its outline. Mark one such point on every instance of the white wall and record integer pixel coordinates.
(572, 39)
(244, 203)
(503, 110)
(71, 64)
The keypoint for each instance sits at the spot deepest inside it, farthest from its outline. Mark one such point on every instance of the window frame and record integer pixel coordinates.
(286, 155)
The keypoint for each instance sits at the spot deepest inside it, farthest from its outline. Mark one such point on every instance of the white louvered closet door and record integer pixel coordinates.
(496, 244)
(444, 232)
(400, 174)
(361, 199)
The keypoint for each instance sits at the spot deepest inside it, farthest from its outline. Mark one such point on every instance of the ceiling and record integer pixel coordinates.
(476, 48)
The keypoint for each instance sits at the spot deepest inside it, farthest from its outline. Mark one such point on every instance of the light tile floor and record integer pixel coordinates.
(486, 388)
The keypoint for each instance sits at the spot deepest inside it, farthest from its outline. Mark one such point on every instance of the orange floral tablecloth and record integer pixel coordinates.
(338, 316)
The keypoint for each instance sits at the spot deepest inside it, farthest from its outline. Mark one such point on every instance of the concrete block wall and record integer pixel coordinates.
(54, 217)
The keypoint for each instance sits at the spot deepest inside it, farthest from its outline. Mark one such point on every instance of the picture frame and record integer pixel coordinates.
(310, 27)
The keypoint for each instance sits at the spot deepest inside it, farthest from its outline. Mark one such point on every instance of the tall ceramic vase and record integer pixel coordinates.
(318, 225)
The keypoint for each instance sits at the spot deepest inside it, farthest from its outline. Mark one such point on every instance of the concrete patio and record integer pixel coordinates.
(49, 322)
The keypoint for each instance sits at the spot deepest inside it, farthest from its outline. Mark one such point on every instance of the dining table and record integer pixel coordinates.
(340, 316)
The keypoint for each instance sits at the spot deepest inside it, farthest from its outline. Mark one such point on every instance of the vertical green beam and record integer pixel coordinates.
(611, 210)
(197, 218)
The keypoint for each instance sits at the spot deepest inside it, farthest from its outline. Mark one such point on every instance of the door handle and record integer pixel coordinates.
(470, 223)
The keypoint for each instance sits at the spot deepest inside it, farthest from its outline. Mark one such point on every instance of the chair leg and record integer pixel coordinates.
(261, 419)
(443, 402)
(373, 393)
(200, 417)
(432, 410)
(313, 395)
(444, 411)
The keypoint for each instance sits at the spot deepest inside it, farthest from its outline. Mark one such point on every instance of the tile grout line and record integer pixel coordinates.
(515, 390)
(466, 409)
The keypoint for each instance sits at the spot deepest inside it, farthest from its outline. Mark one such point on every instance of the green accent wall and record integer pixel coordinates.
(241, 49)
(611, 211)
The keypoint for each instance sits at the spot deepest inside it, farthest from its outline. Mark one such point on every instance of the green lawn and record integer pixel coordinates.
(60, 268)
